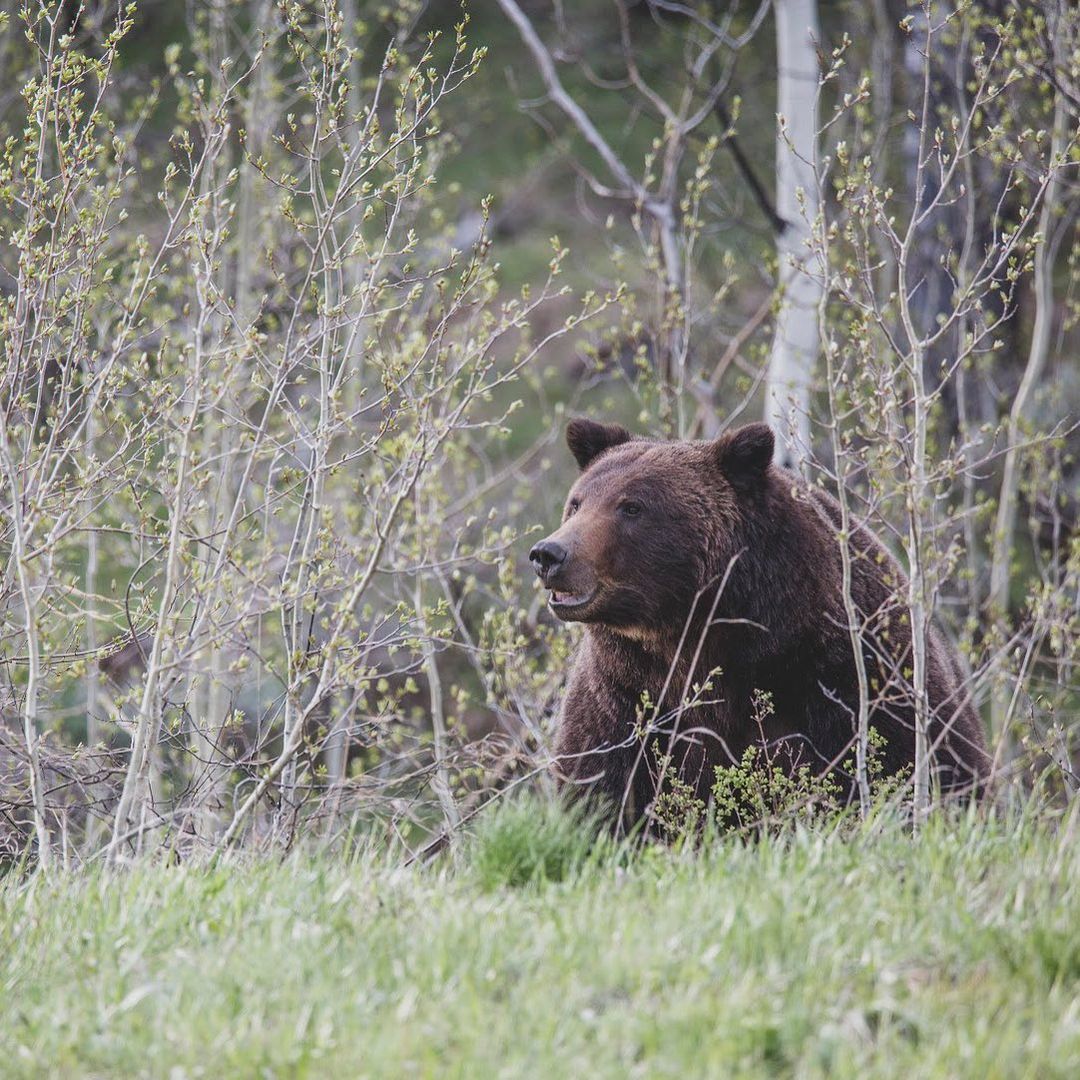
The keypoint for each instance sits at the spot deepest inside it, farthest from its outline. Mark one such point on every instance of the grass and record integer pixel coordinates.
(954, 955)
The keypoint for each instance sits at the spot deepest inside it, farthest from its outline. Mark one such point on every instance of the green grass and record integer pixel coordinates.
(954, 955)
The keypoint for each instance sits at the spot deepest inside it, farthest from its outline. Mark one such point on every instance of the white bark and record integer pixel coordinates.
(795, 341)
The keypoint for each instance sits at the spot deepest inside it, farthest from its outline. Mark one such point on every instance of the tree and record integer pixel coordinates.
(795, 337)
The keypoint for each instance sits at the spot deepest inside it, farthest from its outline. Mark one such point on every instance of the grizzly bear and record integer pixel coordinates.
(707, 577)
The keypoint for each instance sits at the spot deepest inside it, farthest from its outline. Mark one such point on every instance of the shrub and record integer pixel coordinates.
(766, 787)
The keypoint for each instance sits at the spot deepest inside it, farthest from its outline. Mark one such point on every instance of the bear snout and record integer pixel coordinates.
(547, 557)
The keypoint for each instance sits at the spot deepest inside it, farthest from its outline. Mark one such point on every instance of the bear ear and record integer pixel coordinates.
(587, 439)
(745, 454)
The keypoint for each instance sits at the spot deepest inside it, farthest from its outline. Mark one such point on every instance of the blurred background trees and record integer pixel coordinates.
(296, 299)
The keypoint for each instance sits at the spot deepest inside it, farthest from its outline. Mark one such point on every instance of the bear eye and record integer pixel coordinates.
(573, 506)
(631, 509)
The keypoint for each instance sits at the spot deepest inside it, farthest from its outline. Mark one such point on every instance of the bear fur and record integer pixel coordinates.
(705, 575)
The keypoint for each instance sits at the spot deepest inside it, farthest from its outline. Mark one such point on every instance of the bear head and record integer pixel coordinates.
(649, 525)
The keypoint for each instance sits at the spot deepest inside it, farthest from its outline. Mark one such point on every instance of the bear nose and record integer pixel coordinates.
(547, 557)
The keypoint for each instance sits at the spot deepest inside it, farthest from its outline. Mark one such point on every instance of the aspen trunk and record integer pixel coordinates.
(795, 341)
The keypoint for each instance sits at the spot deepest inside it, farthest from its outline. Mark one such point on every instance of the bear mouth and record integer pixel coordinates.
(567, 601)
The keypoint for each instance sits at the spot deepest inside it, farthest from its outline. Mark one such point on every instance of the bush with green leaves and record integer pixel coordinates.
(769, 787)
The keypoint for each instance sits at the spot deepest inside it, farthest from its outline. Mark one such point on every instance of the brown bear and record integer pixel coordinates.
(706, 577)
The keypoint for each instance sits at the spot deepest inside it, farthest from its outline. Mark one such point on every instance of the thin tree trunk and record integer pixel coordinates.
(917, 485)
(854, 617)
(336, 756)
(91, 684)
(795, 341)
(148, 721)
(28, 596)
(440, 782)
(31, 720)
(918, 608)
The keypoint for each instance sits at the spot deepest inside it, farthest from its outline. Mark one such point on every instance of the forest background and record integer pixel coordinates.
(296, 299)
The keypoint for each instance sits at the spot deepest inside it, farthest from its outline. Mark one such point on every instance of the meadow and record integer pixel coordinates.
(533, 951)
